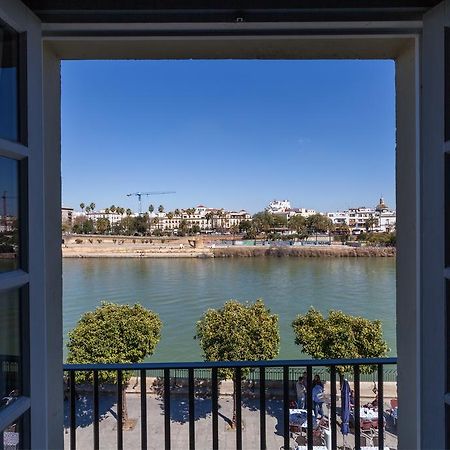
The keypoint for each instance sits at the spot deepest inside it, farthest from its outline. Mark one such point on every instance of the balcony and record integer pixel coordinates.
(187, 405)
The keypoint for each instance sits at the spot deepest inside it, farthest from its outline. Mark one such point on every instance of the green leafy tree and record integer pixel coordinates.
(339, 336)
(82, 205)
(113, 334)
(318, 223)
(103, 225)
(151, 208)
(370, 223)
(298, 224)
(88, 226)
(245, 226)
(238, 332)
(160, 208)
(92, 206)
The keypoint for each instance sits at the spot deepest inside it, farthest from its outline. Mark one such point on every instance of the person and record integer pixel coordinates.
(318, 398)
(317, 380)
(301, 393)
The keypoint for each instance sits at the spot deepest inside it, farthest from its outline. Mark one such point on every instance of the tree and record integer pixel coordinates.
(298, 224)
(160, 208)
(112, 208)
(151, 208)
(113, 334)
(245, 226)
(92, 206)
(370, 223)
(82, 205)
(339, 336)
(103, 225)
(318, 223)
(209, 217)
(238, 332)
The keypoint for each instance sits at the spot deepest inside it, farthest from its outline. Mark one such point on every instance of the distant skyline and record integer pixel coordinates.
(232, 134)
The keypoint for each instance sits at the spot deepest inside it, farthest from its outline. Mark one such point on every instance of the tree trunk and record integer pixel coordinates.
(124, 405)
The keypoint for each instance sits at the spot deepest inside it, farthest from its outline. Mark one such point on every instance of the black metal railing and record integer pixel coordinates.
(188, 374)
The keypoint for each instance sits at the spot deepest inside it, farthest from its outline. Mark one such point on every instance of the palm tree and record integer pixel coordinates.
(209, 216)
(92, 206)
(170, 215)
(161, 208)
(88, 209)
(112, 208)
(177, 212)
(82, 205)
(106, 210)
(128, 212)
(151, 208)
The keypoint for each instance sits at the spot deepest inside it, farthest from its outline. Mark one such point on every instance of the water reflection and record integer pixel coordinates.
(9, 214)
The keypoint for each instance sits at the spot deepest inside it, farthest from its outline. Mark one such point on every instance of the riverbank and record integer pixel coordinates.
(203, 247)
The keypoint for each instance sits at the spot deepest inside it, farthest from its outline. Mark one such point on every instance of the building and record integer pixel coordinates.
(67, 216)
(378, 219)
(113, 217)
(414, 35)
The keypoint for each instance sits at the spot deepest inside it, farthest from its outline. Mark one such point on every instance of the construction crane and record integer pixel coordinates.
(4, 198)
(140, 194)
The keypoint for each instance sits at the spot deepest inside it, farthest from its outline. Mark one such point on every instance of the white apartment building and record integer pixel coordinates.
(379, 219)
(102, 214)
(278, 206)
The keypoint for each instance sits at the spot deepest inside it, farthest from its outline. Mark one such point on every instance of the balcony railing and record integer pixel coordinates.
(261, 392)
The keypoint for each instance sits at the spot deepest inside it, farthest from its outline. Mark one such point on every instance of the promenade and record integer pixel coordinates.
(203, 421)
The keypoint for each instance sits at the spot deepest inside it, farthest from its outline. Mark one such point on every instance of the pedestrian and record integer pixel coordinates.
(301, 393)
(318, 399)
(317, 380)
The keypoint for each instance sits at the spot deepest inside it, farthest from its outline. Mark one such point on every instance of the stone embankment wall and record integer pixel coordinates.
(335, 251)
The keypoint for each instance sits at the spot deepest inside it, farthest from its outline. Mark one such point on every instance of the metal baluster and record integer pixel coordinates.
(167, 409)
(119, 410)
(286, 431)
(72, 401)
(143, 409)
(215, 408)
(262, 407)
(96, 412)
(238, 379)
(191, 395)
(309, 407)
(380, 408)
(357, 408)
(333, 409)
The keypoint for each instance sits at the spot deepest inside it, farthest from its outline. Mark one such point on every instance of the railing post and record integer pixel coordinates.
(309, 406)
(380, 407)
(119, 410)
(333, 408)
(72, 407)
(262, 407)
(167, 409)
(356, 408)
(191, 396)
(238, 385)
(96, 411)
(143, 409)
(215, 408)
(286, 431)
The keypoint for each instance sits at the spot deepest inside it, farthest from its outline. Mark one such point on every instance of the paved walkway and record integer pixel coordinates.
(179, 424)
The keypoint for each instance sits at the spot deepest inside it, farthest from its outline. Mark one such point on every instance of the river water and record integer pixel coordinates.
(180, 290)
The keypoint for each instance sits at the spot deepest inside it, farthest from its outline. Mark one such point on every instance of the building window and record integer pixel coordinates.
(9, 83)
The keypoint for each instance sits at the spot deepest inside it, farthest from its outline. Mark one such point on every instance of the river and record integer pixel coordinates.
(180, 290)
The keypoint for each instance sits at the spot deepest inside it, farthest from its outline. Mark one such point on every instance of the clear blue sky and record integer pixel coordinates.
(233, 134)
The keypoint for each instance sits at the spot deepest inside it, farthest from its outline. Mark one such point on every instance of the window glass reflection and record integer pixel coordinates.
(10, 348)
(12, 436)
(9, 55)
(9, 214)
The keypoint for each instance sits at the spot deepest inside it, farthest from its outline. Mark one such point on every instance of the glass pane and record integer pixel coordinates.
(9, 56)
(10, 347)
(13, 436)
(9, 214)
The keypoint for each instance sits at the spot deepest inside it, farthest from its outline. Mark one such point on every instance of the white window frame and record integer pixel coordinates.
(419, 181)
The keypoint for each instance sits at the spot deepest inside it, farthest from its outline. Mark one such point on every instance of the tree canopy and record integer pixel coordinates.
(339, 335)
(238, 332)
(113, 333)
